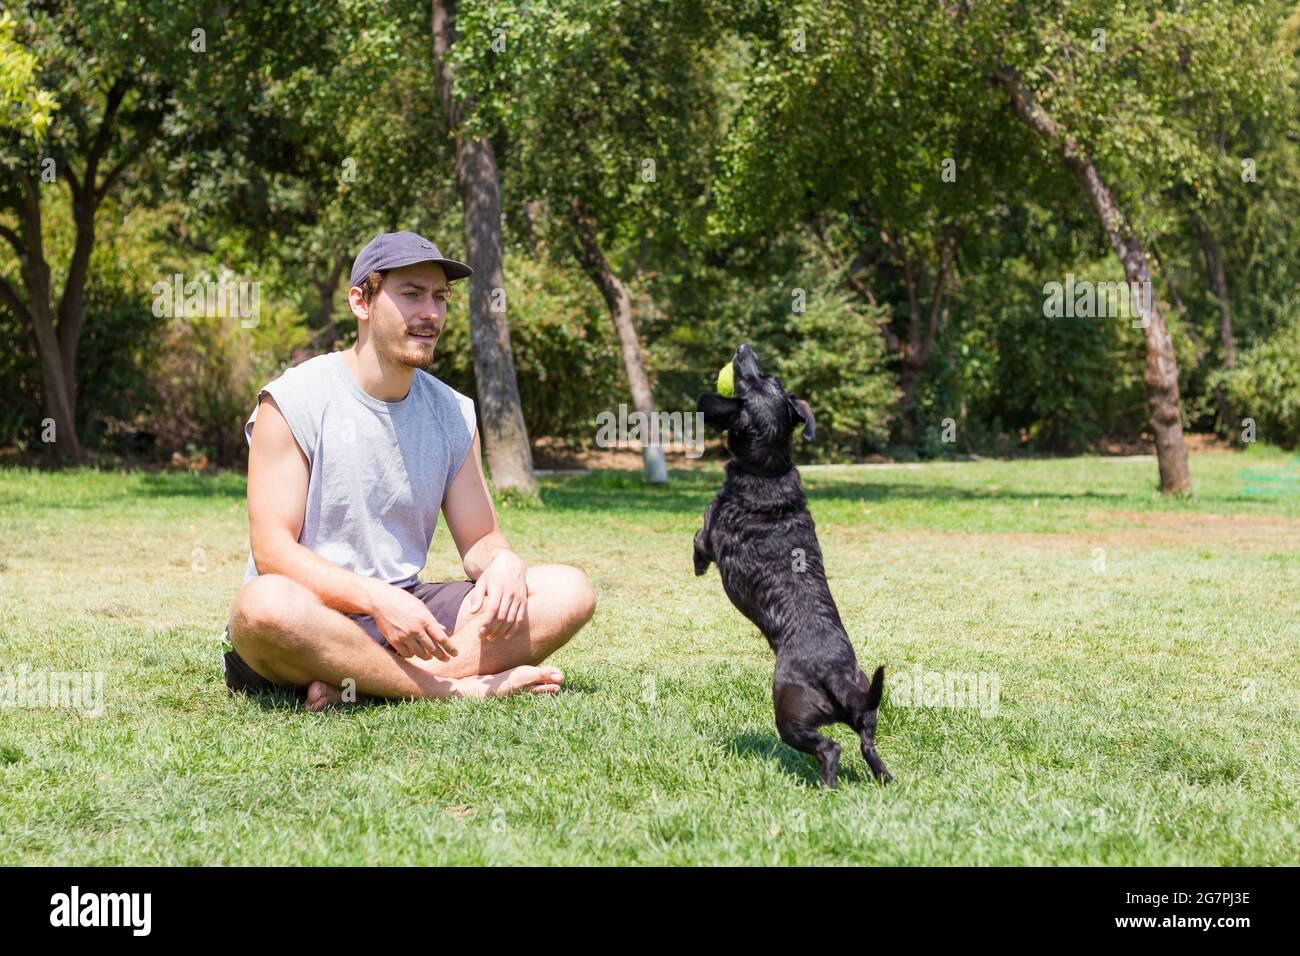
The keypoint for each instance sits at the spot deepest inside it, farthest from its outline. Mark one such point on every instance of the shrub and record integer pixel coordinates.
(837, 363)
(1265, 386)
(565, 351)
(207, 375)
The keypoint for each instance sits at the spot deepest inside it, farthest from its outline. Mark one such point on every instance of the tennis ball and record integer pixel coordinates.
(727, 381)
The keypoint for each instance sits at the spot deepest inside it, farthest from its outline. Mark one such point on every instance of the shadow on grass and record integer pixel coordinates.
(803, 766)
(185, 485)
(287, 700)
(687, 491)
(691, 491)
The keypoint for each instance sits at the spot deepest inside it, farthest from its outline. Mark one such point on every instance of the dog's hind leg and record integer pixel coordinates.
(807, 739)
(863, 712)
(797, 719)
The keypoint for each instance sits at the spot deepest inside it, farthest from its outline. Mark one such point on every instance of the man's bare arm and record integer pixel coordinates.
(277, 502)
(489, 561)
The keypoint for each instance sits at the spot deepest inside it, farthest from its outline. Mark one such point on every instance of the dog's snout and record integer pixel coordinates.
(745, 362)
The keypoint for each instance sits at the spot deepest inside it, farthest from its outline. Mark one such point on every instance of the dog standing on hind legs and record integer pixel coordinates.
(760, 535)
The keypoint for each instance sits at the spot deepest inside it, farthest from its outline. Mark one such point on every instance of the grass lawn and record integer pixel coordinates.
(1145, 653)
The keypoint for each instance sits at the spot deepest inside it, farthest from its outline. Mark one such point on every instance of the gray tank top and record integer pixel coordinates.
(378, 469)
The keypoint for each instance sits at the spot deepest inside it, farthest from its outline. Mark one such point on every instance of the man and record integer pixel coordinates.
(353, 455)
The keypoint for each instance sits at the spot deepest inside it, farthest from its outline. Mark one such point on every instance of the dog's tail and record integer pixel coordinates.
(867, 730)
(877, 688)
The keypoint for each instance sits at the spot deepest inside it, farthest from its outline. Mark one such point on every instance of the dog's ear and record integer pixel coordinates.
(805, 412)
(718, 412)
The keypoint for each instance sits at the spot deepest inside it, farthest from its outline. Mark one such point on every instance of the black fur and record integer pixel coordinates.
(760, 534)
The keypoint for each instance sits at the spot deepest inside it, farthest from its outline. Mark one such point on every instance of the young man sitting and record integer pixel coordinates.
(353, 455)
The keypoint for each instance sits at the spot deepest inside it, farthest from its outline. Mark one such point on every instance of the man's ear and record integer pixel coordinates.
(718, 412)
(805, 412)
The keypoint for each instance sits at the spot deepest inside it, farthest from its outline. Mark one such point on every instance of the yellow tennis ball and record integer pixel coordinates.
(727, 381)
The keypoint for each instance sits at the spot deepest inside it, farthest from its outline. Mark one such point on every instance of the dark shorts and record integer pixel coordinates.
(443, 599)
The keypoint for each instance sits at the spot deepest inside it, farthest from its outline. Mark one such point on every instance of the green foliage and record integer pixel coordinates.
(831, 353)
(119, 343)
(207, 377)
(801, 145)
(1265, 386)
(24, 107)
(590, 93)
(1010, 376)
(20, 387)
(566, 354)
(837, 362)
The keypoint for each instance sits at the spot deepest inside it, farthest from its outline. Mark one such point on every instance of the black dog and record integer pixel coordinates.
(760, 534)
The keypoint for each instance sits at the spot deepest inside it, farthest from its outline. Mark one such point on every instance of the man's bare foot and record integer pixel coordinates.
(321, 695)
(524, 679)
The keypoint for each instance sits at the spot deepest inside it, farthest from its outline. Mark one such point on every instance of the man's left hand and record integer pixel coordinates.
(502, 591)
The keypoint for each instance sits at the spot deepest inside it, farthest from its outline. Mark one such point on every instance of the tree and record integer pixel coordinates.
(125, 75)
(1161, 376)
(859, 122)
(612, 150)
(109, 113)
(1123, 98)
(510, 459)
(351, 147)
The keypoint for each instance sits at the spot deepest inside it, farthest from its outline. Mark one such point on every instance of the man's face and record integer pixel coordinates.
(408, 312)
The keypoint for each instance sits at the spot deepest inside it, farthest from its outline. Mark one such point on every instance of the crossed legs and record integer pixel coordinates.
(283, 632)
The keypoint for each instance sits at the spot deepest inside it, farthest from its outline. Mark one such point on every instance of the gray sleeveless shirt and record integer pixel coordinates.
(378, 469)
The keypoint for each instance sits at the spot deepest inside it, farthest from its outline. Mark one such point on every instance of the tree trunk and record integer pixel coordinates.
(596, 266)
(56, 331)
(1219, 287)
(1161, 372)
(326, 288)
(922, 326)
(510, 459)
(58, 364)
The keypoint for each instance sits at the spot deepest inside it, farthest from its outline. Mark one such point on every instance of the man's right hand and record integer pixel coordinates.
(407, 624)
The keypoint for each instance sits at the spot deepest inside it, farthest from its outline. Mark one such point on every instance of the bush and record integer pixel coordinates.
(566, 354)
(113, 359)
(1265, 386)
(206, 378)
(838, 364)
(1011, 376)
(831, 354)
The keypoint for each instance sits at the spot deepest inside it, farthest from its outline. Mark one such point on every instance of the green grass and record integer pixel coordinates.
(1146, 654)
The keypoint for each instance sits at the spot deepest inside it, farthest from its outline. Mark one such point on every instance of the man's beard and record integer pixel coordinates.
(405, 351)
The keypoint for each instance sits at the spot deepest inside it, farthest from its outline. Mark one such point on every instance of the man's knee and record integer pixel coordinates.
(583, 595)
(267, 609)
(571, 590)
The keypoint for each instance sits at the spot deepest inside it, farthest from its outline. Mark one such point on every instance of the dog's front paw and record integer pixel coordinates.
(702, 558)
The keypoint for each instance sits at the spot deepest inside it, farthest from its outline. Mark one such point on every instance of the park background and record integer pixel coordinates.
(878, 196)
(847, 186)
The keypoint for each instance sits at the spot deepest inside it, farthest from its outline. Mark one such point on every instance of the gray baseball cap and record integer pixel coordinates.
(392, 250)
